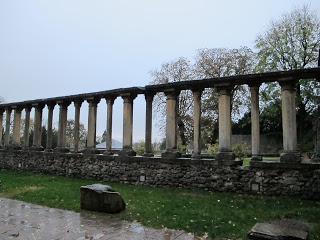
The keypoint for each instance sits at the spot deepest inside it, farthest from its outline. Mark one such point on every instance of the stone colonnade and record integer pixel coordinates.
(288, 93)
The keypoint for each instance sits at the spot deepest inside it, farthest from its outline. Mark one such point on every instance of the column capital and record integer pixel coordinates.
(172, 93)
(128, 97)
(39, 106)
(149, 96)
(110, 99)
(197, 92)
(63, 103)
(93, 100)
(254, 84)
(77, 102)
(224, 90)
(17, 108)
(27, 108)
(8, 109)
(288, 85)
(51, 105)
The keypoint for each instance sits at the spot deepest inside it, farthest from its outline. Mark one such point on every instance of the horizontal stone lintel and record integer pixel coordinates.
(258, 78)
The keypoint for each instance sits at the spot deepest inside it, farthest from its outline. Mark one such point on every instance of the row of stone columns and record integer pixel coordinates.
(288, 94)
(92, 124)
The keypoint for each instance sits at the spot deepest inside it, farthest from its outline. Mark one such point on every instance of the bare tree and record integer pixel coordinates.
(221, 62)
(175, 71)
(208, 63)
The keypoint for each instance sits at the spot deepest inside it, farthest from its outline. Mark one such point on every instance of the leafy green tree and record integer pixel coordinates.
(70, 135)
(138, 147)
(292, 42)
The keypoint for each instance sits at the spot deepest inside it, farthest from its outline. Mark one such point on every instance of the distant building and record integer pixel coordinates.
(115, 145)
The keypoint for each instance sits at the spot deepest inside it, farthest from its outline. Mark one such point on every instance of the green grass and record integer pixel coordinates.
(221, 215)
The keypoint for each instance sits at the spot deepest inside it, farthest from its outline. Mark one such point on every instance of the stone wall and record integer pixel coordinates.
(268, 143)
(261, 178)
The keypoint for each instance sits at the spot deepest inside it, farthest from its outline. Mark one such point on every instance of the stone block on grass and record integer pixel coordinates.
(101, 198)
(284, 229)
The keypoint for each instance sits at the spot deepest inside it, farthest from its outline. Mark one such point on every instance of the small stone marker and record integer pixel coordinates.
(279, 230)
(101, 198)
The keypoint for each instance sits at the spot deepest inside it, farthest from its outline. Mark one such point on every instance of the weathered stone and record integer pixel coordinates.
(171, 154)
(256, 158)
(101, 198)
(279, 230)
(273, 178)
(290, 157)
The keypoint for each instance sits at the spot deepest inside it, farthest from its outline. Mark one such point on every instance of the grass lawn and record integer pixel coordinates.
(221, 215)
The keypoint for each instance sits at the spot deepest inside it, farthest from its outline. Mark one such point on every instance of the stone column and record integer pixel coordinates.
(49, 129)
(289, 125)
(37, 127)
(225, 153)
(16, 127)
(110, 101)
(196, 124)
(148, 136)
(171, 125)
(1, 127)
(127, 125)
(7, 131)
(92, 123)
(26, 127)
(63, 117)
(255, 124)
(316, 155)
(77, 106)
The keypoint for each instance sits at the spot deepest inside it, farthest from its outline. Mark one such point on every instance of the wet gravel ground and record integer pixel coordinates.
(21, 220)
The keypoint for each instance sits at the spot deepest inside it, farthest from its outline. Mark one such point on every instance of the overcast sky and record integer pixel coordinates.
(62, 47)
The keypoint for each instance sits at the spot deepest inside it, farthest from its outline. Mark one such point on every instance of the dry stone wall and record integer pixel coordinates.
(302, 180)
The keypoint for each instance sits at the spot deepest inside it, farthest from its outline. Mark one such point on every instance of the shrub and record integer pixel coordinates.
(213, 149)
(240, 150)
(138, 147)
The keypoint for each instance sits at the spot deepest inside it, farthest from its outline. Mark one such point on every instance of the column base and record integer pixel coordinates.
(290, 157)
(62, 149)
(108, 153)
(256, 158)
(48, 150)
(315, 157)
(171, 154)
(196, 155)
(127, 153)
(227, 159)
(225, 156)
(148, 154)
(91, 151)
(14, 147)
(37, 148)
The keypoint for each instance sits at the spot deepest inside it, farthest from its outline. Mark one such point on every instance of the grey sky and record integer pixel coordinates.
(62, 47)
